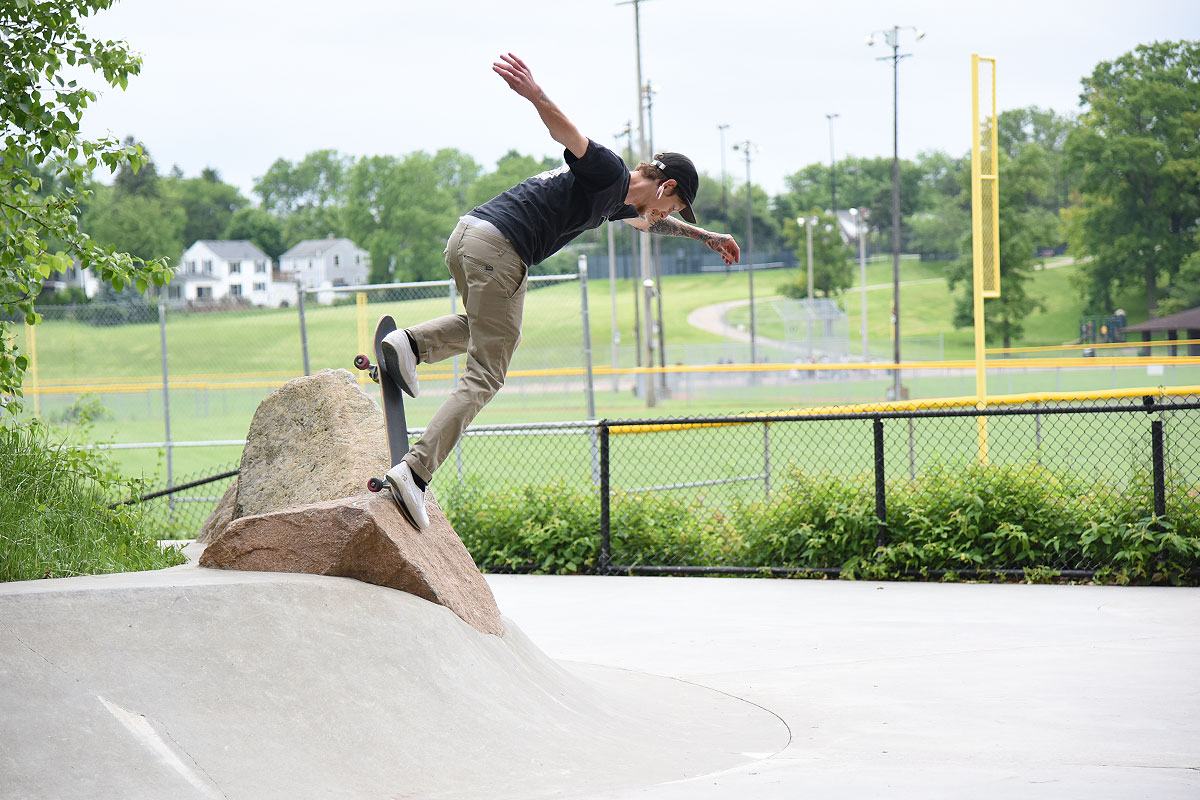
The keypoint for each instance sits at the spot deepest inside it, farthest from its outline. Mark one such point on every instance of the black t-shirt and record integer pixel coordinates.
(540, 215)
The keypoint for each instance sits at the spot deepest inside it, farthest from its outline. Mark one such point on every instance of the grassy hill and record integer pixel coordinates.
(223, 364)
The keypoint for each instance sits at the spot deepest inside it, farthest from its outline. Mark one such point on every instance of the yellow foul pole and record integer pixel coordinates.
(985, 233)
(31, 345)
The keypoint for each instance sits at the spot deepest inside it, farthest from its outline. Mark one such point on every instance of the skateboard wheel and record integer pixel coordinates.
(361, 361)
(375, 485)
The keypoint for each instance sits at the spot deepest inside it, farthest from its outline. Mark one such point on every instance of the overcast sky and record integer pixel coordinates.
(236, 84)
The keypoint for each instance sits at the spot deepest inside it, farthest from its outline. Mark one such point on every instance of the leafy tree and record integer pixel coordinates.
(456, 172)
(41, 108)
(940, 229)
(833, 264)
(307, 196)
(768, 228)
(258, 226)
(1023, 224)
(943, 214)
(1049, 131)
(1137, 149)
(861, 182)
(137, 180)
(145, 226)
(1184, 290)
(207, 202)
(401, 214)
(136, 215)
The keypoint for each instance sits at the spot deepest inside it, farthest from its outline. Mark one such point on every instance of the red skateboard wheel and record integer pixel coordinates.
(362, 362)
(375, 485)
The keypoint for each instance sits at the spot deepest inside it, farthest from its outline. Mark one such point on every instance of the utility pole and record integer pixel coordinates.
(746, 147)
(658, 323)
(724, 180)
(645, 330)
(892, 37)
(832, 176)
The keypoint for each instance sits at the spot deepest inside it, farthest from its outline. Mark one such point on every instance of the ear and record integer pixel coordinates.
(669, 185)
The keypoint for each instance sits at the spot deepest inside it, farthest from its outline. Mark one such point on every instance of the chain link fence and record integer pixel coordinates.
(1091, 486)
(1060, 488)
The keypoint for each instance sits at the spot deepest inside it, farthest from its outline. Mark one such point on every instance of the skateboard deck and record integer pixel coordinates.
(392, 397)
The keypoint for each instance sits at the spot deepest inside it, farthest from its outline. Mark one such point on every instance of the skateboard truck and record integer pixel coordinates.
(364, 363)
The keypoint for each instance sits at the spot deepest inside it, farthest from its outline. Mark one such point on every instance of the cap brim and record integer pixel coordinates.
(688, 214)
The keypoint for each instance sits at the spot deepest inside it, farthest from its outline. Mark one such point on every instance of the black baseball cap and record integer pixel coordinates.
(679, 168)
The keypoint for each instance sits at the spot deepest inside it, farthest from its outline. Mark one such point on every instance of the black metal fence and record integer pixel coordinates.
(1066, 489)
(1106, 487)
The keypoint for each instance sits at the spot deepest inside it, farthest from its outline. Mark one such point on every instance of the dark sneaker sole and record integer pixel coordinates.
(391, 368)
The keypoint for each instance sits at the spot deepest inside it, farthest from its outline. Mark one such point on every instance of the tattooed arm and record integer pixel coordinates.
(520, 80)
(720, 243)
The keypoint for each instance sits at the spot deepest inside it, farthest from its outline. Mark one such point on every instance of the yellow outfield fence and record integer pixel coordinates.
(267, 380)
(941, 403)
(1100, 346)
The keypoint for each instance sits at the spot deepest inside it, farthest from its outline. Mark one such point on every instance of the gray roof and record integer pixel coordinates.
(1184, 320)
(233, 249)
(314, 247)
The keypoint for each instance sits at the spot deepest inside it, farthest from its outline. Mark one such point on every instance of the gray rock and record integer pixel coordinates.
(314, 438)
(367, 538)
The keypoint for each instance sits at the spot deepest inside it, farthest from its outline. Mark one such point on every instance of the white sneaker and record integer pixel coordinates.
(406, 494)
(399, 363)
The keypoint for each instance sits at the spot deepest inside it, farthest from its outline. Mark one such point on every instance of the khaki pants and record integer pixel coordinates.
(491, 278)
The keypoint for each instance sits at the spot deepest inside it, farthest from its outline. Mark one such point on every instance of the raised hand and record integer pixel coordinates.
(518, 76)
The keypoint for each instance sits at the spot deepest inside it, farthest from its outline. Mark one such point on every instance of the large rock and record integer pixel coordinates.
(368, 538)
(314, 438)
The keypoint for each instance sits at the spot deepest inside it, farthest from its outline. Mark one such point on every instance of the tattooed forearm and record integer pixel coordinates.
(668, 226)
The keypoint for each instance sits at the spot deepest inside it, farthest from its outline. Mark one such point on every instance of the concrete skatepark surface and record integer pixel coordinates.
(201, 683)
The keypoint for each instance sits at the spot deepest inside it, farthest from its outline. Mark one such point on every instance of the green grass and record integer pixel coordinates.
(55, 519)
(225, 363)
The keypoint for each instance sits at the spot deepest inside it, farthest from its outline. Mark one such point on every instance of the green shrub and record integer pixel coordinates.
(55, 519)
(952, 519)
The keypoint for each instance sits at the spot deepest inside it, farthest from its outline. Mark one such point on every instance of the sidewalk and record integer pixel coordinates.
(191, 682)
(908, 689)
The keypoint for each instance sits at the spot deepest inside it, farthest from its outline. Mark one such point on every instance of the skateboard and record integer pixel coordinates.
(392, 399)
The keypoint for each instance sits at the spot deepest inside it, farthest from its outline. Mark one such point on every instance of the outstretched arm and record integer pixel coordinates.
(720, 243)
(520, 80)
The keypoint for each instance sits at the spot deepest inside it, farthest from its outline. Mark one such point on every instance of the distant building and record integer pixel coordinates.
(74, 277)
(325, 263)
(229, 271)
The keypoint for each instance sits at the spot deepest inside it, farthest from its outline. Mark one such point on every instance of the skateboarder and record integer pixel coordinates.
(489, 255)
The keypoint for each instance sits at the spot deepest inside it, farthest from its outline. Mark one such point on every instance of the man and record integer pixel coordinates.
(489, 255)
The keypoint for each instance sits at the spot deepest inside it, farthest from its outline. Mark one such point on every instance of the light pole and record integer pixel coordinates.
(808, 223)
(724, 180)
(644, 238)
(860, 228)
(746, 147)
(832, 178)
(612, 284)
(892, 37)
(649, 93)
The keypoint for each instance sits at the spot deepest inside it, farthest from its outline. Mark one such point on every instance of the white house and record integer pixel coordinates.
(74, 277)
(322, 263)
(229, 270)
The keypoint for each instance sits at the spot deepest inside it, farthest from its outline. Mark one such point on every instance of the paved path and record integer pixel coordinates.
(193, 683)
(711, 318)
(907, 690)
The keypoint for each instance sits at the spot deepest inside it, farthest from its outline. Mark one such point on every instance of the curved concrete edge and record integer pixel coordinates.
(191, 682)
